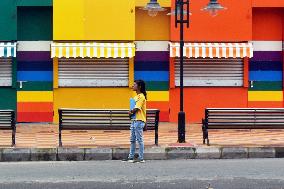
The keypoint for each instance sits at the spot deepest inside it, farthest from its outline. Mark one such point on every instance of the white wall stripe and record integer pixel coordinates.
(34, 45)
(267, 45)
(152, 45)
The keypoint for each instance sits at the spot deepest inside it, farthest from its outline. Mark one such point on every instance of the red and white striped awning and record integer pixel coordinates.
(212, 50)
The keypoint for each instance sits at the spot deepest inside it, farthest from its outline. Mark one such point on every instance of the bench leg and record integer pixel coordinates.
(60, 140)
(205, 132)
(13, 136)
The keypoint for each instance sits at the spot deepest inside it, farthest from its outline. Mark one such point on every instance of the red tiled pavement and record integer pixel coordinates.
(46, 136)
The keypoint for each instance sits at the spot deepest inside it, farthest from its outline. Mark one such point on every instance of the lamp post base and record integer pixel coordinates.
(181, 127)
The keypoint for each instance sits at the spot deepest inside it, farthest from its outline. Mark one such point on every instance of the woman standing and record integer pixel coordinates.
(138, 123)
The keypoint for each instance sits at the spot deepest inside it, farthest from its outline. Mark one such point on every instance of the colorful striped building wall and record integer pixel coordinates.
(34, 65)
(35, 97)
(266, 67)
(151, 61)
(152, 65)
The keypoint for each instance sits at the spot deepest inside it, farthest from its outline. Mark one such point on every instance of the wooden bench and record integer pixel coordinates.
(107, 119)
(8, 122)
(242, 118)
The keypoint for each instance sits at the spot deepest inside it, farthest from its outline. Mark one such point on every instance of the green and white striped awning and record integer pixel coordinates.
(7, 49)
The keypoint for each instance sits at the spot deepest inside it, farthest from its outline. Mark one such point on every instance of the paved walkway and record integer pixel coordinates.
(46, 136)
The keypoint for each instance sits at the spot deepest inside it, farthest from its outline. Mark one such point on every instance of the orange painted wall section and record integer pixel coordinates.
(265, 104)
(267, 3)
(152, 28)
(233, 24)
(35, 106)
(197, 99)
(267, 24)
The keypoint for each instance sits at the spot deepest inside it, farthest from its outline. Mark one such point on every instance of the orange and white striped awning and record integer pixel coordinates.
(212, 50)
(93, 50)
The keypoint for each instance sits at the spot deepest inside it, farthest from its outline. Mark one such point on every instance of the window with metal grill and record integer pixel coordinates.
(211, 72)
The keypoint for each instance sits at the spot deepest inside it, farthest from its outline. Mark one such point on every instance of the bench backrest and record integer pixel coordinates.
(101, 118)
(247, 118)
(7, 119)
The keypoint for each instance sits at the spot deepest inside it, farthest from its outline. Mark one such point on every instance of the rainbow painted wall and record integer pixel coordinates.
(34, 25)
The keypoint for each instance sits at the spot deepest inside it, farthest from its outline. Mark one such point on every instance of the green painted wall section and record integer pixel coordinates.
(34, 23)
(266, 86)
(36, 86)
(157, 85)
(34, 3)
(8, 98)
(8, 18)
(14, 73)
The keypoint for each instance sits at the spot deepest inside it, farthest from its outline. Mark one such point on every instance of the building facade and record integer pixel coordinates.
(87, 54)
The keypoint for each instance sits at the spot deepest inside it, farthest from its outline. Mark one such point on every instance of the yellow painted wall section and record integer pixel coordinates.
(94, 20)
(152, 28)
(131, 72)
(68, 20)
(55, 72)
(35, 96)
(157, 96)
(90, 98)
(163, 3)
(110, 20)
(265, 96)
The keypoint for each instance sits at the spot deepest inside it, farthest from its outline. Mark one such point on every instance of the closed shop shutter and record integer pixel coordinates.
(5, 72)
(93, 72)
(210, 72)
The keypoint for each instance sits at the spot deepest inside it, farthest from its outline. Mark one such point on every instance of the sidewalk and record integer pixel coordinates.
(224, 143)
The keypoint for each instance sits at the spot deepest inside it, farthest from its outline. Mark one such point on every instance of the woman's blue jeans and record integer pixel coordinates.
(136, 134)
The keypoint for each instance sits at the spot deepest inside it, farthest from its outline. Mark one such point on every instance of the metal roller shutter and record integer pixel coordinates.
(87, 72)
(210, 72)
(5, 72)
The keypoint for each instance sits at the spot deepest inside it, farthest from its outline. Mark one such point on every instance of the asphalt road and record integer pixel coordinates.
(166, 174)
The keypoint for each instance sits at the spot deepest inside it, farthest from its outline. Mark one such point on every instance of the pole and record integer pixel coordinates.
(181, 114)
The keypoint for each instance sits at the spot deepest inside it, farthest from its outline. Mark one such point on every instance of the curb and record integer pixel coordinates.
(152, 153)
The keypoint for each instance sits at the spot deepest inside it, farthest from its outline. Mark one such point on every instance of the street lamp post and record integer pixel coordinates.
(153, 8)
(179, 19)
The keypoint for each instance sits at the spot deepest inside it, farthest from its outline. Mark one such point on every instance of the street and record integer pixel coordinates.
(169, 174)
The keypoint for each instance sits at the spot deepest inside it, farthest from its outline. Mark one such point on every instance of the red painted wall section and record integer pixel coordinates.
(267, 24)
(268, 3)
(163, 107)
(233, 24)
(197, 99)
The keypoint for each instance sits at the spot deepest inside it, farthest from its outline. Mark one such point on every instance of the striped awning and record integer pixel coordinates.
(8, 49)
(93, 50)
(212, 50)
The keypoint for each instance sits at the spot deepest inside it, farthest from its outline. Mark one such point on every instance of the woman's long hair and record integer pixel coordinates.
(142, 86)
